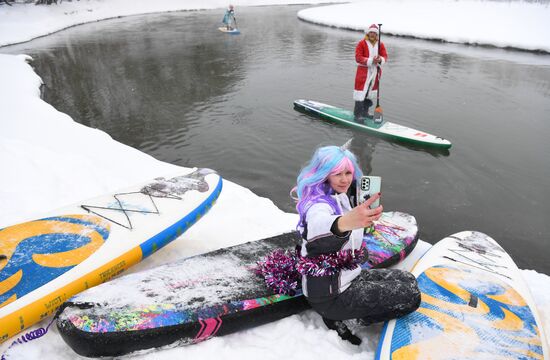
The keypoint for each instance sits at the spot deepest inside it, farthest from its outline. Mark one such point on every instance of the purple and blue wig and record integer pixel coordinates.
(312, 185)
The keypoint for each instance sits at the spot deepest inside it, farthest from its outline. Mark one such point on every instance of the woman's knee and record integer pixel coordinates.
(407, 275)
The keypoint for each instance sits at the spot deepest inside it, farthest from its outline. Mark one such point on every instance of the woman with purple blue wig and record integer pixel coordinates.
(312, 185)
(332, 250)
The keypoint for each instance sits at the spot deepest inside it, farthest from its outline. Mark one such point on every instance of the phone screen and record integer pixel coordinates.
(367, 187)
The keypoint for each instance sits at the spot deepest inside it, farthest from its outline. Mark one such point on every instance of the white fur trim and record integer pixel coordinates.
(359, 95)
(372, 29)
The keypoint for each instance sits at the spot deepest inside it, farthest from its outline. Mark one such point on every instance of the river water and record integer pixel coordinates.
(175, 87)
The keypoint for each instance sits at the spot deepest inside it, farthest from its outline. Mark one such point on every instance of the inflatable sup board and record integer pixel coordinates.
(231, 32)
(208, 295)
(385, 129)
(475, 305)
(44, 262)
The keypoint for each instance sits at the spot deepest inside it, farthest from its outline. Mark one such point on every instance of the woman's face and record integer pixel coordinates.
(340, 182)
(372, 36)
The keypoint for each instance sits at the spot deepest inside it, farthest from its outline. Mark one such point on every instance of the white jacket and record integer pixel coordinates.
(318, 239)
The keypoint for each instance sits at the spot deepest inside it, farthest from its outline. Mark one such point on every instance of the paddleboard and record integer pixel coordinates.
(208, 295)
(231, 31)
(46, 261)
(384, 129)
(475, 305)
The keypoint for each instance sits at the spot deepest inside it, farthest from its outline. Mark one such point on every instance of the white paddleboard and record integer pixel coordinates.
(48, 260)
(475, 305)
(229, 31)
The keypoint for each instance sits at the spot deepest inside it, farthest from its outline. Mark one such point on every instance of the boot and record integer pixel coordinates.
(367, 103)
(342, 330)
(358, 111)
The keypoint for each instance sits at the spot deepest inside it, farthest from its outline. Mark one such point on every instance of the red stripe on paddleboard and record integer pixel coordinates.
(209, 328)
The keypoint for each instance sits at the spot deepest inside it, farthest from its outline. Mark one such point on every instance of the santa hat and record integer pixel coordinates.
(373, 28)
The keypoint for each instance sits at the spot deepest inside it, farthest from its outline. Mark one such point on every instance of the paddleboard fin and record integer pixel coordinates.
(473, 301)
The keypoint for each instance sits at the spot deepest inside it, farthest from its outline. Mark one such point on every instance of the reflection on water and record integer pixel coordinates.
(175, 87)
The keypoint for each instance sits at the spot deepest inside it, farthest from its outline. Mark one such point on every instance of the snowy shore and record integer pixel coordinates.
(49, 161)
(511, 24)
(507, 24)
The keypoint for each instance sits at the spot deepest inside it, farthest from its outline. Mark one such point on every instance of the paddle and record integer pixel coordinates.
(378, 113)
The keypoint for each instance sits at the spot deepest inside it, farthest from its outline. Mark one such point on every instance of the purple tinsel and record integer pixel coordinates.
(330, 264)
(282, 269)
(279, 271)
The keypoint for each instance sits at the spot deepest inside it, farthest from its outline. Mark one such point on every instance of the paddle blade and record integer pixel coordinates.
(378, 114)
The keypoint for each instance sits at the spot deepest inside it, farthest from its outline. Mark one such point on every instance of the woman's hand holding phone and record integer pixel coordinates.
(361, 216)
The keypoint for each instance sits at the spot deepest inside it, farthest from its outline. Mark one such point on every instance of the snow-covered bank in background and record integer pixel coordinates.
(23, 22)
(515, 24)
(48, 161)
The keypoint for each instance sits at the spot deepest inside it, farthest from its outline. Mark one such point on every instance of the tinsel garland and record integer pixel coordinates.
(282, 270)
(279, 271)
(324, 265)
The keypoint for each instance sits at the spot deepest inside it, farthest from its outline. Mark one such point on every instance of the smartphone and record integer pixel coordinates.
(367, 187)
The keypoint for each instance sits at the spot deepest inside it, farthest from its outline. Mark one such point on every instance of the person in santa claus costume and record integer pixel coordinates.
(369, 62)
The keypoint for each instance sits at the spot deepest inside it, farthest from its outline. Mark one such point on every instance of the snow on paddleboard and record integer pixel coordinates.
(385, 129)
(208, 295)
(48, 260)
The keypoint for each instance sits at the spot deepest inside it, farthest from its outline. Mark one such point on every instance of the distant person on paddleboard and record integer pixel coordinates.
(332, 229)
(229, 18)
(366, 81)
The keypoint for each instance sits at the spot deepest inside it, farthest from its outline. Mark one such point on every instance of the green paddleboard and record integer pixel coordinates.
(384, 129)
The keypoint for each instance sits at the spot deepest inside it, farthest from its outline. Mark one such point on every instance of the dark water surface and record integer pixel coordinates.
(176, 88)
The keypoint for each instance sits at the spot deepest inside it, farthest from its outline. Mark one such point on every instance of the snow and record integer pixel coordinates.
(49, 160)
(515, 24)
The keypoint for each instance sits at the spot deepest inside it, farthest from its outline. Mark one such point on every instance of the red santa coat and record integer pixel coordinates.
(365, 52)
